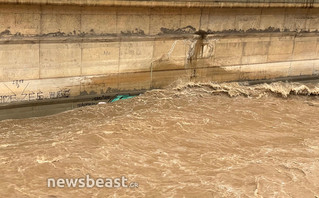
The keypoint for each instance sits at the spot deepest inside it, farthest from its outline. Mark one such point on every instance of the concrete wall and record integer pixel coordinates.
(176, 3)
(49, 51)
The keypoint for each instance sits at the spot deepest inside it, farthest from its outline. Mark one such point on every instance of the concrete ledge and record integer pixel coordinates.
(77, 99)
(176, 3)
(138, 38)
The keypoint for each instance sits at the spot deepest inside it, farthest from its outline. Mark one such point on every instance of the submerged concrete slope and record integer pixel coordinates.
(57, 49)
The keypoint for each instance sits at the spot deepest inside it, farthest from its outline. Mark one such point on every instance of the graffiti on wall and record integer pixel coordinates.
(20, 90)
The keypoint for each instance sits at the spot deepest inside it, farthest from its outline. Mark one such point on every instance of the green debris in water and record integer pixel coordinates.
(122, 97)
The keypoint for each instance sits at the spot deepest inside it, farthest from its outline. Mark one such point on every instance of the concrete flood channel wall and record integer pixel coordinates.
(75, 52)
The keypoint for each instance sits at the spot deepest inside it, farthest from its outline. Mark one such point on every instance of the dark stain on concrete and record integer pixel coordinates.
(84, 93)
(137, 32)
(102, 97)
(102, 92)
(93, 93)
(202, 33)
(108, 90)
(75, 33)
(251, 30)
(54, 34)
(5, 32)
(184, 30)
(267, 30)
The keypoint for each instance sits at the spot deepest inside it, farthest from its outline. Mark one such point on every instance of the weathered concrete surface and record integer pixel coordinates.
(51, 51)
(175, 3)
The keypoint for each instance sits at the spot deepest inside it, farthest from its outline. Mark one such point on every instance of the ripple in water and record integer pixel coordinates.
(192, 140)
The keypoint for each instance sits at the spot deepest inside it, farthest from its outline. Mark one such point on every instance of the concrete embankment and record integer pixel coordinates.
(69, 49)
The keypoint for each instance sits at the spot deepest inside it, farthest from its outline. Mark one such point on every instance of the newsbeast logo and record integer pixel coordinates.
(88, 182)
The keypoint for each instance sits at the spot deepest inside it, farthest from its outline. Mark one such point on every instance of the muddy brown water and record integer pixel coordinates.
(191, 140)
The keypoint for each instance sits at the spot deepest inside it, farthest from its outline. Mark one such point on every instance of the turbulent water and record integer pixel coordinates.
(192, 140)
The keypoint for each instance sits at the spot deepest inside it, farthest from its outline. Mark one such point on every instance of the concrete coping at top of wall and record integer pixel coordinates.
(175, 3)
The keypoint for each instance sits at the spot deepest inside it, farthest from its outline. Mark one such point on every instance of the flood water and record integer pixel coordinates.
(190, 140)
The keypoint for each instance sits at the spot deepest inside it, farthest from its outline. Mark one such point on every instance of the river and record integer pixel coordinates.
(189, 140)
